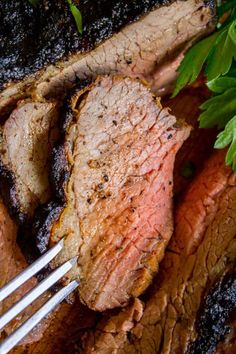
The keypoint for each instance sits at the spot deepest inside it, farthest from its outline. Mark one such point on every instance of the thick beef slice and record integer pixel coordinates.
(143, 48)
(55, 339)
(48, 33)
(119, 152)
(26, 141)
(201, 250)
(137, 50)
(12, 263)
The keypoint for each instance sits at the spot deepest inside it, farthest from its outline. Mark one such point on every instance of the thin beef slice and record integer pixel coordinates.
(132, 38)
(114, 173)
(26, 142)
(12, 262)
(150, 47)
(200, 253)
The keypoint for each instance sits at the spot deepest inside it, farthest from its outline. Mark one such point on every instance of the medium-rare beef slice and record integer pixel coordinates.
(136, 50)
(119, 150)
(26, 141)
(200, 252)
(50, 32)
(12, 263)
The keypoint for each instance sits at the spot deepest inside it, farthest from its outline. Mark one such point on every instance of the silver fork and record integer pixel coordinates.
(34, 294)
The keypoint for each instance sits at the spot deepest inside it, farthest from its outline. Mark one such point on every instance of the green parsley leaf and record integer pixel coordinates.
(217, 50)
(77, 16)
(34, 2)
(232, 32)
(222, 54)
(232, 70)
(218, 109)
(221, 84)
(218, 54)
(193, 61)
(228, 137)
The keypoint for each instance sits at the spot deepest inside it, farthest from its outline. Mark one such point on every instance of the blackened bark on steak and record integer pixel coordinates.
(44, 218)
(137, 49)
(114, 170)
(32, 37)
(215, 312)
(9, 193)
(60, 171)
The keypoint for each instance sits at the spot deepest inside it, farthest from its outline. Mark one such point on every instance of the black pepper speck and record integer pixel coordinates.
(32, 37)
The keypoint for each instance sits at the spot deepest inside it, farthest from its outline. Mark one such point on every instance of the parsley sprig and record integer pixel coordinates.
(74, 10)
(228, 137)
(77, 16)
(216, 54)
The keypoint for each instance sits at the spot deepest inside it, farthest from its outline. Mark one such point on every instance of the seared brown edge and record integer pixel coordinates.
(214, 315)
(49, 34)
(8, 188)
(9, 194)
(59, 174)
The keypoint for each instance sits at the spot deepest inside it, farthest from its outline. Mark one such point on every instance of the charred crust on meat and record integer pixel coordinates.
(67, 114)
(9, 194)
(47, 33)
(44, 218)
(60, 172)
(214, 314)
(60, 169)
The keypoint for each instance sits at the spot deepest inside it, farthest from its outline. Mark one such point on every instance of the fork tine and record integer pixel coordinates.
(28, 325)
(31, 270)
(36, 292)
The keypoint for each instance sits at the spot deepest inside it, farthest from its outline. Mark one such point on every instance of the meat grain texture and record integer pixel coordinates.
(26, 140)
(149, 48)
(12, 263)
(74, 317)
(137, 50)
(118, 156)
(202, 248)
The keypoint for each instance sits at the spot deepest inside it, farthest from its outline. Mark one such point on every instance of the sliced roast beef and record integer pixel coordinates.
(190, 307)
(139, 49)
(11, 263)
(114, 174)
(26, 141)
(161, 29)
